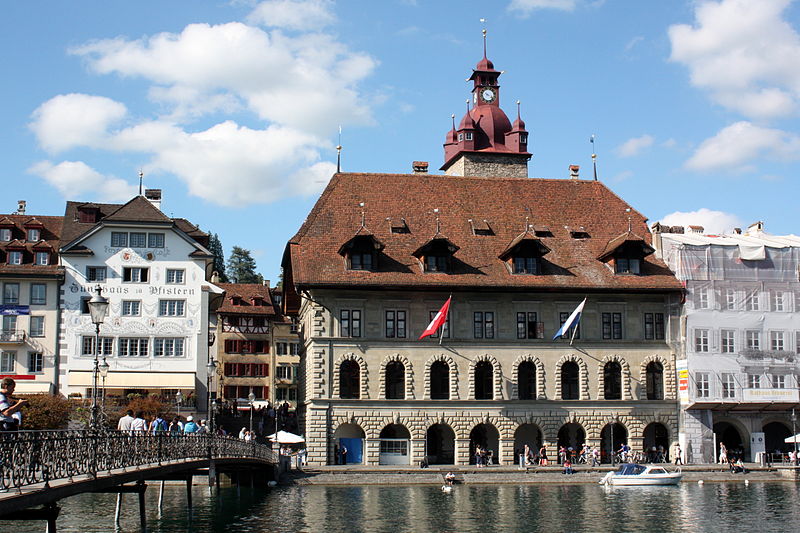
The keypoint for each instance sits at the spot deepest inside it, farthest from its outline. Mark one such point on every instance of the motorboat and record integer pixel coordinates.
(630, 474)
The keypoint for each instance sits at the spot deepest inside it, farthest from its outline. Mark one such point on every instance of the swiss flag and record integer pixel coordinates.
(438, 321)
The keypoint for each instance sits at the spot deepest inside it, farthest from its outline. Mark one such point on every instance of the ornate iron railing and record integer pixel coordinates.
(30, 457)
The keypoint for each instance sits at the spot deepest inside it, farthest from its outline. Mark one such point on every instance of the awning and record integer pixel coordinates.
(792, 440)
(284, 437)
(136, 380)
(745, 406)
(33, 387)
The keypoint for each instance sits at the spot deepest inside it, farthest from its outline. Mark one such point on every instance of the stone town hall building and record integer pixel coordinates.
(380, 253)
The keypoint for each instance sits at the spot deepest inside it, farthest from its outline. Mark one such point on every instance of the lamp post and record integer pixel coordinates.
(103, 374)
(794, 435)
(98, 309)
(252, 398)
(211, 368)
(178, 401)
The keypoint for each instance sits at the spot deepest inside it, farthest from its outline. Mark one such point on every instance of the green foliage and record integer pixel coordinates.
(46, 411)
(242, 267)
(215, 247)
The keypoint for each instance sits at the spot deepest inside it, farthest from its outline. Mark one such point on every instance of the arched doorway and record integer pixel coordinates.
(611, 438)
(351, 438)
(488, 438)
(572, 436)
(484, 381)
(526, 381)
(612, 381)
(441, 445)
(736, 443)
(394, 445)
(569, 381)
(529, 434)
(349, 380)
(775, 434)
(395, 381)
(440, 381)
(656, 436)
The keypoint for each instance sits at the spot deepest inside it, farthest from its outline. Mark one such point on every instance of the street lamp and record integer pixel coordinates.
(104, 367)
(252, 398)
(98, 309)
(794, 436)
(211, 368)
(178, 401)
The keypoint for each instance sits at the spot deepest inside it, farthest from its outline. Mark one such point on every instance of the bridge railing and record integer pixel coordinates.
(30, 457)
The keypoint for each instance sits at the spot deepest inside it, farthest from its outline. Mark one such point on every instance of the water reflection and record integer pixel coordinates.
(712, 507)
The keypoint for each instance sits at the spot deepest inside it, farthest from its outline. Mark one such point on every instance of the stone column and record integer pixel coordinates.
(417, 451)
(506, 452)
(319, 453)
(372, 451)
(462, 451)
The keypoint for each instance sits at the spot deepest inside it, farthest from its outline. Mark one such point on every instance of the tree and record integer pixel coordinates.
(46, 411)
(242, 267)
(215, 247)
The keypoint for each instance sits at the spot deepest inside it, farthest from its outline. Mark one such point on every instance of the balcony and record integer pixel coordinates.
(12, 337)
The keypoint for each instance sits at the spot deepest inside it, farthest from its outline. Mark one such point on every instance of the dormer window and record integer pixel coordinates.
(5, 235)
(460, 136)
(626, 265)
(361, 252)
(523, 138)
(236, 300)
(436, 255)
(468, 135)
(34, 234)
(524, 254)
(257, 301)
(526, 265)
(42, 258)
(88, 214)
(14, 257)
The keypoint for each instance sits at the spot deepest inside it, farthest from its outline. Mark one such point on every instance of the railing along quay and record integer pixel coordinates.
(32, 457)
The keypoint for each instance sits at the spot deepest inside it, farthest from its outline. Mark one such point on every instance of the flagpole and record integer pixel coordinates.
(572, 337)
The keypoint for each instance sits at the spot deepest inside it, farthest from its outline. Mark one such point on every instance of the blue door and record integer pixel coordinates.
(355, 450)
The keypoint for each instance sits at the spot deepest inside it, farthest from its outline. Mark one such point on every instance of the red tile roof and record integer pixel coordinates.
(50, 232)
(507, 204)
(246, 293)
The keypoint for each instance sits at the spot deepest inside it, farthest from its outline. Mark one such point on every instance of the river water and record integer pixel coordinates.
(724, 507)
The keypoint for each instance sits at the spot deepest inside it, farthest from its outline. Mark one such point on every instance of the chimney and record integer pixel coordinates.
(420, 167)
(154, 196)
(21, 207)
(573, 171)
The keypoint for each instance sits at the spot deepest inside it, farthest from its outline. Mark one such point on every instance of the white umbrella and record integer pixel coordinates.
(792, 440)
(284, 437)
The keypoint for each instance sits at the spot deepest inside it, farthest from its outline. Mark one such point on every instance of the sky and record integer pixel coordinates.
(233, 108)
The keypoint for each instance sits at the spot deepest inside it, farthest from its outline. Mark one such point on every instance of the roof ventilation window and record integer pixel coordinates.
(541, 231)
(578, 232)
(481, 228)
(400, 226)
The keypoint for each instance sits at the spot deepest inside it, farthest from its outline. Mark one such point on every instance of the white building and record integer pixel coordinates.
(737, 369)
(154, 271)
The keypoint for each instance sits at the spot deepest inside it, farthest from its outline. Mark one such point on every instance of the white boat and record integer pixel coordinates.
(632, 474)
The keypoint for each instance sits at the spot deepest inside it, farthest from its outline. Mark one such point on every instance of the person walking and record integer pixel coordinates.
(543, 455)
(678, 453)
(723, 453)
(125, 422)
(139, 424)
(595, 454)
(190, 427)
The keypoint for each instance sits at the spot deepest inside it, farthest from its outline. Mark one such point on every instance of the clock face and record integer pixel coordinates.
(488, 95)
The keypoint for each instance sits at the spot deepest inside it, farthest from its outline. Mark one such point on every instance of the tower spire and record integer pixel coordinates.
(339, 152)
(483, 21)
(141, 177)
(594, 157)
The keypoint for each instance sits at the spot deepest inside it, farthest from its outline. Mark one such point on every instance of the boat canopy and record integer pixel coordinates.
(630, 469)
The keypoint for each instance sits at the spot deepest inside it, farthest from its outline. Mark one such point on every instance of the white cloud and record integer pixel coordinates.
(293, 14)
(71, 120)
(633, 42)
(713, 222)
(77, 179)
(301, 86)
(526, 7)
(634, 146)
(737, 144)
(744, 53)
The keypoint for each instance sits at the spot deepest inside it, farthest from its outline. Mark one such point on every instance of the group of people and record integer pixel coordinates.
(483, 456)
(137, 424)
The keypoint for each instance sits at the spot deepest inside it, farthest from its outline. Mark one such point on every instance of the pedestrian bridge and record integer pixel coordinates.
(39, 468)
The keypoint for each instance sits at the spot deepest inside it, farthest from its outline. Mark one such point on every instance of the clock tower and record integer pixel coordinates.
(486, 143)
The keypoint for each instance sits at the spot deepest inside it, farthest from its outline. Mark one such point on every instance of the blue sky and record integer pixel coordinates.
(232, 108)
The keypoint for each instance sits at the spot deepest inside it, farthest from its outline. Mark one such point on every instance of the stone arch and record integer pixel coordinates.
(669, 375)
(497, 376)
(364, 376)
(451, 364)
(626, 375)
(590, 426)
(583, 373)
(540, 389)
(409, 375)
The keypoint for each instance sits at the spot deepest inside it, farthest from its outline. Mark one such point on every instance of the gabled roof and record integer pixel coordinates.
(437, 241)
(627, 239)
(138, 209)
(246, 292)
(521, 239)
(362, 235)
(312, 257)
(49, 235)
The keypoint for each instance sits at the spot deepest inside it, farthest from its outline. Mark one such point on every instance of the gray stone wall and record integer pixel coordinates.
(489, 166)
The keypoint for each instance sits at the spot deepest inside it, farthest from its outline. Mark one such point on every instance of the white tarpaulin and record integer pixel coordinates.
(284, 437)
(792, 440)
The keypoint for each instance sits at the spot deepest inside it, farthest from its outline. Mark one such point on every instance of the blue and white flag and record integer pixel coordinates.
(573, 320)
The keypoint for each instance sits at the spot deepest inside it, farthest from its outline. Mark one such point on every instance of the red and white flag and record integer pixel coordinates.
(438, 321)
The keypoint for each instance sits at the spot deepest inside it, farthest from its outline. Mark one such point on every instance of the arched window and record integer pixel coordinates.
(612, 381)
(484, 381)
(655, 381)
(526, 380)
(395, 381)
(440, 381)
(349, 380)
(569, 381)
